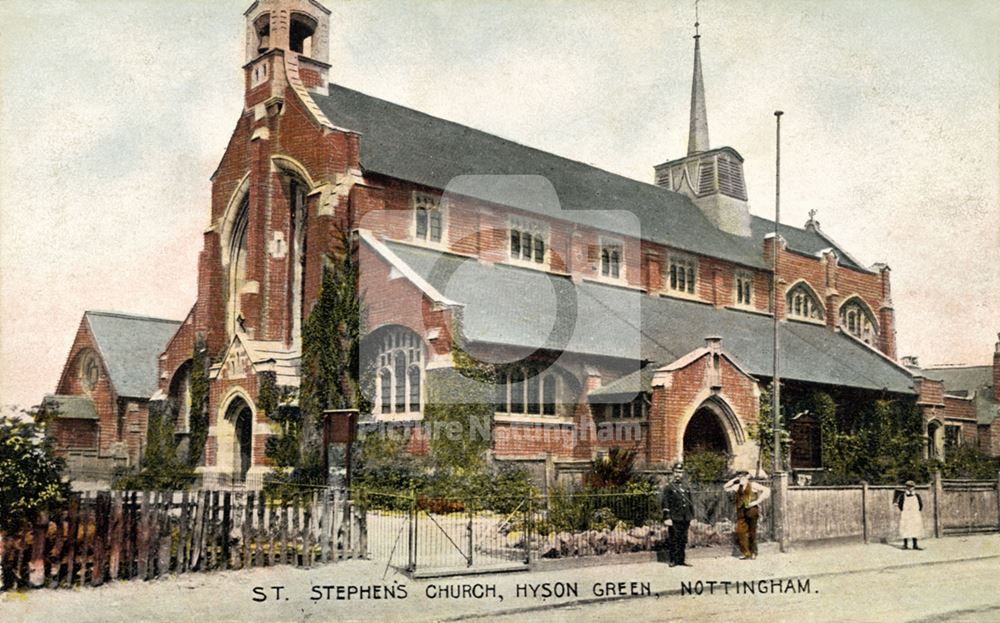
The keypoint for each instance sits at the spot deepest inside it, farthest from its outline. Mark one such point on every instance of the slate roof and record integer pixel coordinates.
(962, 378)
(130, 347)
(406, 144)
(71, 407)
(975, 381)
(627, 386)
(529, 308)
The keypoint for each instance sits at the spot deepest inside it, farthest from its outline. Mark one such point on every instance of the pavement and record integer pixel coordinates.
(360, 590)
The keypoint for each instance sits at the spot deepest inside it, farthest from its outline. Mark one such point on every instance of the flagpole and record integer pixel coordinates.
(776, 378)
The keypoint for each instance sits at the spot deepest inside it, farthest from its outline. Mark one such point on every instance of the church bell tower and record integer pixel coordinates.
(287, 44)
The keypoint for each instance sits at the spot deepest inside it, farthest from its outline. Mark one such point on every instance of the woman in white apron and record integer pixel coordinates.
(911, 524)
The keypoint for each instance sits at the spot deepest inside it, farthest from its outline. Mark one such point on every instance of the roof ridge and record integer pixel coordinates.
(509, 140)
(115, 314)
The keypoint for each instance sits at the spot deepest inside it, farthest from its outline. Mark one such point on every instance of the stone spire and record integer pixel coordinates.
(698, 135)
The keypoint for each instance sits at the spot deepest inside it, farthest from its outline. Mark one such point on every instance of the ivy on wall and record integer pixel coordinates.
(330, 376)
(199, 402)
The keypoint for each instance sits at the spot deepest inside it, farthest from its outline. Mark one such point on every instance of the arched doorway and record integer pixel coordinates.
(240, 455)
(935, 440)
(705, 433)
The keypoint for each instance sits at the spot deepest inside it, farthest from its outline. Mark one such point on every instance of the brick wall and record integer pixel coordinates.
(103, 395)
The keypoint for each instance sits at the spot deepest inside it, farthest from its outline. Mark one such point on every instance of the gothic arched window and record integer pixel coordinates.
(400, 372)
(801, 302)
(857, 319)
(238, 264)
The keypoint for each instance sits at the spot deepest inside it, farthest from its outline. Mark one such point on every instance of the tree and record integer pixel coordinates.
(331, 371)
(30, 473)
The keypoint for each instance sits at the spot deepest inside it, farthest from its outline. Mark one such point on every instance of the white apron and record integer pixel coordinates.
(911, 524)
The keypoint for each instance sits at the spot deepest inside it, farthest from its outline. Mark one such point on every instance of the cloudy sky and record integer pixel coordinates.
(114, 113)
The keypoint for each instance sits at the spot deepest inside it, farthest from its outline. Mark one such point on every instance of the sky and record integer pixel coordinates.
(115, 113)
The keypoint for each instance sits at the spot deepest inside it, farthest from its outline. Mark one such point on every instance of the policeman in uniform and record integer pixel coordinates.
(678, 510)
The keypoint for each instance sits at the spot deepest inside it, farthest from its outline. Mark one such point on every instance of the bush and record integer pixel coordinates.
(967, 461)
(613, 470)
(706, 467)
(30, 480)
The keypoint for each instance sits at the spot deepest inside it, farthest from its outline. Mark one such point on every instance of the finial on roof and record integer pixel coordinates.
(698, 132)
(812, 223)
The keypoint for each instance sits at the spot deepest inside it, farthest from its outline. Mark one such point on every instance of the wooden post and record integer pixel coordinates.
(197, 531)
(166, 535)
(58, 547)
(998, 500)
(864, 510)
(87, 550)
(779, 510)
(324, 527)
(296, 533)
(286, 520)
(938, 493)
(258, 531)
(272, 533)
(182, 534)
(115, 535)
(36, 567)
(227, 526)
(102, 508)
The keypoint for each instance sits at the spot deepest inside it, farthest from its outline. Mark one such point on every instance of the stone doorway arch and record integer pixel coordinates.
(234, 438)
(705, 432)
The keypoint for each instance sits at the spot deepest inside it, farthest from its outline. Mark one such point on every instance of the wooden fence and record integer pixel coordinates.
(866, 513)
(144, 535)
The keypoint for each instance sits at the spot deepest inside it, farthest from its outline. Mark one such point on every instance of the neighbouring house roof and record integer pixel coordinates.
(406, 144)
(130, 347)
(974, 381)
(509, 305)
(70, 407)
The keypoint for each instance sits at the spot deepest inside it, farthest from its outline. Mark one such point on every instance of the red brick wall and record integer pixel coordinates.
(105, 400)
(73, 435)
(929, 392)
(399, 302)
(671, 405)
(179, 350)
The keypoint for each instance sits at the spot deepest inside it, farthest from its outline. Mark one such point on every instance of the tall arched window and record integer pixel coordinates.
(297, 196)
(801, 302)
(238, 264)
(400, 372)
(857, 319)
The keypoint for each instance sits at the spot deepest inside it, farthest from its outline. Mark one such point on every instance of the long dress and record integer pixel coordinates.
(911, 524)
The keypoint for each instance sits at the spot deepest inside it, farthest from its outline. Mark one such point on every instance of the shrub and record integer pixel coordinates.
(706, 467)
(967, 461)
(30, 480)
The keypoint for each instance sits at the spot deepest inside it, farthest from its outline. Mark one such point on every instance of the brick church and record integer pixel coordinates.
(613, 304)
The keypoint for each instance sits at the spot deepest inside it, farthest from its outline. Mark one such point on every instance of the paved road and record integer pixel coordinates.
(954, 591)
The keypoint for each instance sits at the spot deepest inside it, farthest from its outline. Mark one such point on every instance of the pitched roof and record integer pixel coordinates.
(71, 407)
(130, 347)
(529, 308)
(966, 379)
(974, 381)
(417, 147)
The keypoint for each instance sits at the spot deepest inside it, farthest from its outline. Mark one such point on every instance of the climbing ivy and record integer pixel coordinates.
(198, 421)
(330, 379)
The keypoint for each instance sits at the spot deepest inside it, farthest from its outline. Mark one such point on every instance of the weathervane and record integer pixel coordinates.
(696, 24)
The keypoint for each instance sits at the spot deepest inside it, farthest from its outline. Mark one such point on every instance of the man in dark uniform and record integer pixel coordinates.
(678, 510)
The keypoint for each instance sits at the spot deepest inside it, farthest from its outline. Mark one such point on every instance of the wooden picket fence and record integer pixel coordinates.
(118, 535)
